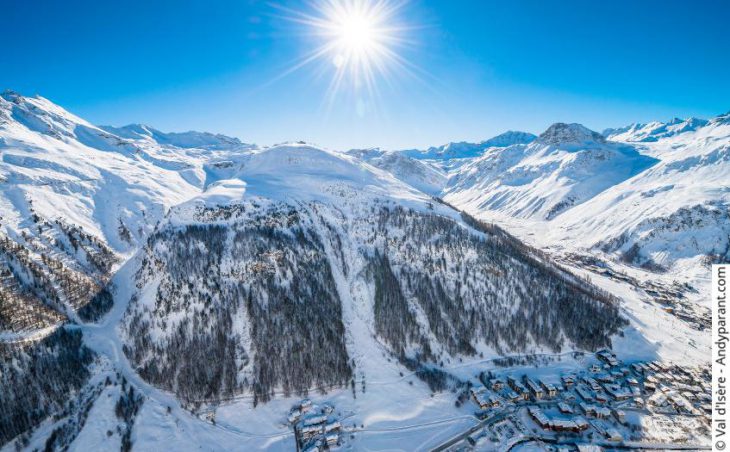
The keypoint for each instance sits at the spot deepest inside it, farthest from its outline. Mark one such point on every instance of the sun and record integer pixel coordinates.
(356, 36)
(359, 40)
(357, 33)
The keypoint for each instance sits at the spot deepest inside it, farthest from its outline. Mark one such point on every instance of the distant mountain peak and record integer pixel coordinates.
(562, 133)
(9, 94)
(464, 149)
(720, 119)
(509, 138)
(190, 139)
(655, 130)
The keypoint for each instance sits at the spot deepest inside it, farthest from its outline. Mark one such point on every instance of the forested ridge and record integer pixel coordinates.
(245, 298)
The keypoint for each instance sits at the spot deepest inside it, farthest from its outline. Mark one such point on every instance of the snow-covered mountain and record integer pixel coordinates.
(462, 150)
(421, 174)
(185, 140)
(428, 170)
(675, 211)
(312, 257)
(651, 195)
(144, 274)
(64, 167)
(654, 131)
(566, 166)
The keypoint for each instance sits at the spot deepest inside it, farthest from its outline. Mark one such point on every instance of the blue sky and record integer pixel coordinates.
(483, 67)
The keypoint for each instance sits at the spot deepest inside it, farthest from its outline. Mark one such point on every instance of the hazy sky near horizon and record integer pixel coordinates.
(476, 67)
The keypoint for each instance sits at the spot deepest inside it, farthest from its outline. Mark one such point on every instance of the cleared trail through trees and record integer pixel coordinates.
(103, 339)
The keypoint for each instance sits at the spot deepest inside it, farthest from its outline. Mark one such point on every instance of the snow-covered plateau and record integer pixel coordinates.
(190, 289)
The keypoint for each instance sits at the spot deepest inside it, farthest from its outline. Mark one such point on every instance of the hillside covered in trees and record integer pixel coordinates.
(253, 296)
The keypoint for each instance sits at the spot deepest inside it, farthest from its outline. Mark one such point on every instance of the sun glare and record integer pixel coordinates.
(358, 40)
(356, 33)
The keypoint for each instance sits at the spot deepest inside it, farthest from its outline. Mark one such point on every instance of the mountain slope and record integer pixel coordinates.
(64, 166)
(566, 166)
(419, 174)
(300, 265)
(677, 210)
(658, 201)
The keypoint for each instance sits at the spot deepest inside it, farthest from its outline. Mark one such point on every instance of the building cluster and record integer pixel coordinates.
(596, 398)
(576, 424)
(316, 428)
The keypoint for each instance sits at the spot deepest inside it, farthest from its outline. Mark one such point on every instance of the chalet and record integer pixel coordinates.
(332, 426)
(535, 389)
(294, 415)
(588, 410)
(680, 404)
(581, 423)
(605, 378)
(512, 396)
(310, 431)
(518, 387)
(562, 425)
(568, 381)
(332, 439)
(618, 392)
(584, 394)
(601, 397)
(595, 411)
(705, 397)
(481, 397)
(549, 388)
(539, 417)
(565, 408)
(314, 419)
(607, 357)
(683, 387)
(496, 384)
(593, 384)
(696, 389)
